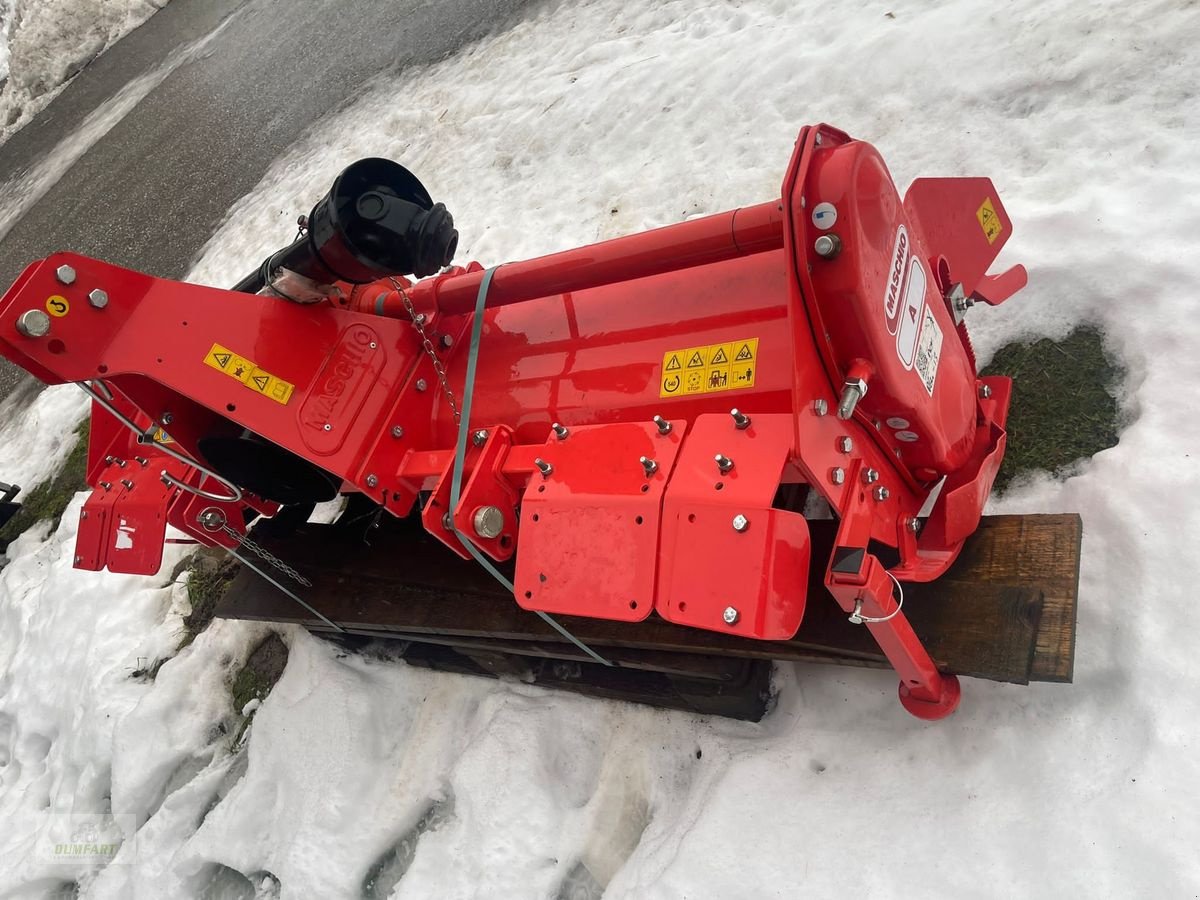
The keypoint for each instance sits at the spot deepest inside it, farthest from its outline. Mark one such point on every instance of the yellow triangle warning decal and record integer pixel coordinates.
(696, 361)
(744, 354)
(719, 357)
(261, 381)
(673, 363)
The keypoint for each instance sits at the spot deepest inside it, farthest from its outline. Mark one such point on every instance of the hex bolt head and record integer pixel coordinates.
(447, 341)
(731, 615)
(820, 407)
(870, 476)
(882, 493)
(448, 522)
(422, 384)
(740, 523)
(838, 475)
(488, 522)
(664, 427)
(845, 443)
(741, 421)
(372, 480)
(33, 323)
(914, 524)
(98, 298)
(544, 467)
(985, 391)
(560, 431)
(724, 463)
(479, 437)
(65, 274)
(397, 431)
(649, 466)
(827, 246)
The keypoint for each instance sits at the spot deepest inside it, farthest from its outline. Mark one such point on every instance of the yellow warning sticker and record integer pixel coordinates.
(258, 380)
(989, 221)
(706, 370)
(57, 306)
(161, 437)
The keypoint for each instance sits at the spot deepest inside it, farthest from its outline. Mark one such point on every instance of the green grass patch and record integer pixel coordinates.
(210, 573)
(48, 501)
(254, 680)
(1064, 406)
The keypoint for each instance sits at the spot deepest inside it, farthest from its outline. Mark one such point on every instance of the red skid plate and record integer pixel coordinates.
(589, 529)
(731, 562)
(122, 527)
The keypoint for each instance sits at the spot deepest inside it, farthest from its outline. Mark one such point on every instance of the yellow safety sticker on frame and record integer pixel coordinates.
(989, 221)
(707, 370)
(258, 380)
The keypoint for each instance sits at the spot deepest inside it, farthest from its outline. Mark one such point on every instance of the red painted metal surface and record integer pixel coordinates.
(732, 562)
(757, 308)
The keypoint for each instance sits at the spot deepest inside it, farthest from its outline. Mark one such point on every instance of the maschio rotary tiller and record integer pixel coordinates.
(644, 427)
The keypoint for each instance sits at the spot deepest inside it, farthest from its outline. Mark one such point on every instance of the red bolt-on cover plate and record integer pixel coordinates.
(589, 530)
(124, 527)
(723, 545)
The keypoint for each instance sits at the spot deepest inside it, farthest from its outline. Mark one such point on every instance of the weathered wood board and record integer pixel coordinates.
(1005, 611)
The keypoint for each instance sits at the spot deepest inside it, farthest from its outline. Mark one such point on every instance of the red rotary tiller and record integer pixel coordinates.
(642, 423)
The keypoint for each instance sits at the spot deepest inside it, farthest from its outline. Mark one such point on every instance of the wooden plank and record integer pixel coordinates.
(1034, 549)
(981, 619)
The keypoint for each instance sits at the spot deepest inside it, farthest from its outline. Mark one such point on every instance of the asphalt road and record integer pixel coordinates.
(154, 188)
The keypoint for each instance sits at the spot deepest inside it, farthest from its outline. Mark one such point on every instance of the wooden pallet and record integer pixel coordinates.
(1005, 611)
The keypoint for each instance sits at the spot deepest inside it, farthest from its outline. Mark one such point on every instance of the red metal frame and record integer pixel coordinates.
(582, 338)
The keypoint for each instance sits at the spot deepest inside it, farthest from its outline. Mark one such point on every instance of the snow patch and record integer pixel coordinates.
(45, 43)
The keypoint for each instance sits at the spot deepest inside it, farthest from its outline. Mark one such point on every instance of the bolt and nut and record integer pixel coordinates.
(870, 476)
(820, 407)
(827, 246)
(479, 437)
(422, 384)
(33, 323)
(649, 466)
(560, 431)
(397, 431)
(838, 475)
(65, 274)
(98, 298)
(731, 615)
(741, 421)
(845, 443)
(985, 391)
(882, 493)
(724, 463)
(740, 523)
(664, 427)
(488, 522)
(372, 480)
(544, 467)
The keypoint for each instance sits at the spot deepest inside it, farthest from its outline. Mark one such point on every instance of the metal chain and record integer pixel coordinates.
(418, 320)
(265, 555)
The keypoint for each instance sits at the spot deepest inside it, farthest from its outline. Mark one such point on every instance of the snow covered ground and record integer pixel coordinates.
(590, 119)
(44, 43)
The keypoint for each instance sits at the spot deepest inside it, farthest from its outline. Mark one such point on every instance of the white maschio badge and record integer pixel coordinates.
(929, 350)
